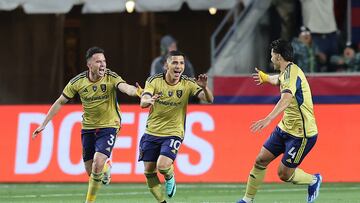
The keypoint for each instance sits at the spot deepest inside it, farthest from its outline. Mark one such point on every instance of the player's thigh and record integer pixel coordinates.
(296, 150)
(98, 162)
(105, 140)
(149, 148)
(272, 148)
(88, 140)
(149, 167)
(169, 149)
(164, 162)
(265, 157)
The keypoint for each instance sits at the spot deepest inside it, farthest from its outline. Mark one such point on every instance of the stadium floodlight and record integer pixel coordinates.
(212, 10)
(130, 6)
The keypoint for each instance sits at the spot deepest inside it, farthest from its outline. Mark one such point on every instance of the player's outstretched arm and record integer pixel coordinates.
(282, 104)
(51, 113)
(130, 89)
(261, 77)
(147, 100)
(206, 95)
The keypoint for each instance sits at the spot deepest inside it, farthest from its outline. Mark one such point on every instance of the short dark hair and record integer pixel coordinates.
(283, 48)
(174, 53)
(93, 50)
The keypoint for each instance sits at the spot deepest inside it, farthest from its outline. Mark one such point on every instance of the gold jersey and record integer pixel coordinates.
(298, 119)
(98, 99)
(167, 116)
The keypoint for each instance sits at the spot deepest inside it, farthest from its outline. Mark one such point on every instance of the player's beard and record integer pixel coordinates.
(101, 72)
(276, 66)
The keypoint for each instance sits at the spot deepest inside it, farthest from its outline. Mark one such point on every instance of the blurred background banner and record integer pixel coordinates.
(325, 89)
(218, 145)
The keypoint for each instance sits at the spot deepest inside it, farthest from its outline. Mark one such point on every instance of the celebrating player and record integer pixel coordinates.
(296, 133)
(101, 119)
(167, 95)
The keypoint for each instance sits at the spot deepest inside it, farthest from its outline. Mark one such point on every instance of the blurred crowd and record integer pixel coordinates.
(320, 43)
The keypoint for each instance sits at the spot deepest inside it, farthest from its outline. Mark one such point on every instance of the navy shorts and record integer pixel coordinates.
(294, 148)
(97, 140)
(151, 147)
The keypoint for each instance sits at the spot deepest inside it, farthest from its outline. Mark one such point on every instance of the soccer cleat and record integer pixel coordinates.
(170, 187)
(107, 173)
(243, 201)
(313, 190)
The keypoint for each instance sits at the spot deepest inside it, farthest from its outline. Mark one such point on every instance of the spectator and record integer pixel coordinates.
(348, 61)
(306, 53)
(318, 16)
(286, 11)
(167, 44)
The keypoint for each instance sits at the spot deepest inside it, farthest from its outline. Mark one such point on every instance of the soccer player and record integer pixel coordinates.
(296, 133)
(101, 119)
(167, 95)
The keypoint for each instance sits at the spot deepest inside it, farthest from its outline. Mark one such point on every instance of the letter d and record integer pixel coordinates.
(22, 166)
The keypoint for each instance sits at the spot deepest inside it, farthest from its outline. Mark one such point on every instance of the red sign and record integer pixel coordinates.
(218, 145)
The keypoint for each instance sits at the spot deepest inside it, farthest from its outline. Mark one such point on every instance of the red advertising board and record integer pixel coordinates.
(218, 145)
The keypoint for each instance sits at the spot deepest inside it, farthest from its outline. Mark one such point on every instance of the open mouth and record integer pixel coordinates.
(102, 70)
(177, 73)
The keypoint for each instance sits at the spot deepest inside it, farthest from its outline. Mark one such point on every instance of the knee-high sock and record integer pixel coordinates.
(255, 179)
(168, 173)
(153, 182)
(94, 185)
(300, 177)
(106, 167)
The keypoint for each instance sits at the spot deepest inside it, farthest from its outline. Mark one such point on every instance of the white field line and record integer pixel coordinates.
(75, 194)
(182, 186)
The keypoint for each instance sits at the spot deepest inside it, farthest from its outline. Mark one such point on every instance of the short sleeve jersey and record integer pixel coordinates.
(98, 99)
(298, 119)
(167, 115)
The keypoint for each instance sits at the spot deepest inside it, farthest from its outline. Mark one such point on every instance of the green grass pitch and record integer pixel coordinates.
(186, 193)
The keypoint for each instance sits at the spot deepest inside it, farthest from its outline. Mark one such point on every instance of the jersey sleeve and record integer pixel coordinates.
(116, 78)
(149, 88)
(290, 77)
(70, 90)
(195, 89)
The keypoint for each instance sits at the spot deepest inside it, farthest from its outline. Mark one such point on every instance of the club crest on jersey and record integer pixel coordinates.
(94, 88)
(170, 93)
(179, 93)
(103, 87)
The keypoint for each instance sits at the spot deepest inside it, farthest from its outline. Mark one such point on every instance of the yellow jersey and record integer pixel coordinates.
(98, 99)
(298, 119)
(167, 116)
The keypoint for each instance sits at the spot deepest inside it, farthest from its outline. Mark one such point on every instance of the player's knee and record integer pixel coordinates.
(149, 174)
(163, 166)
(97, 166)
(88, 169)
(260, 161)
(283, 175)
